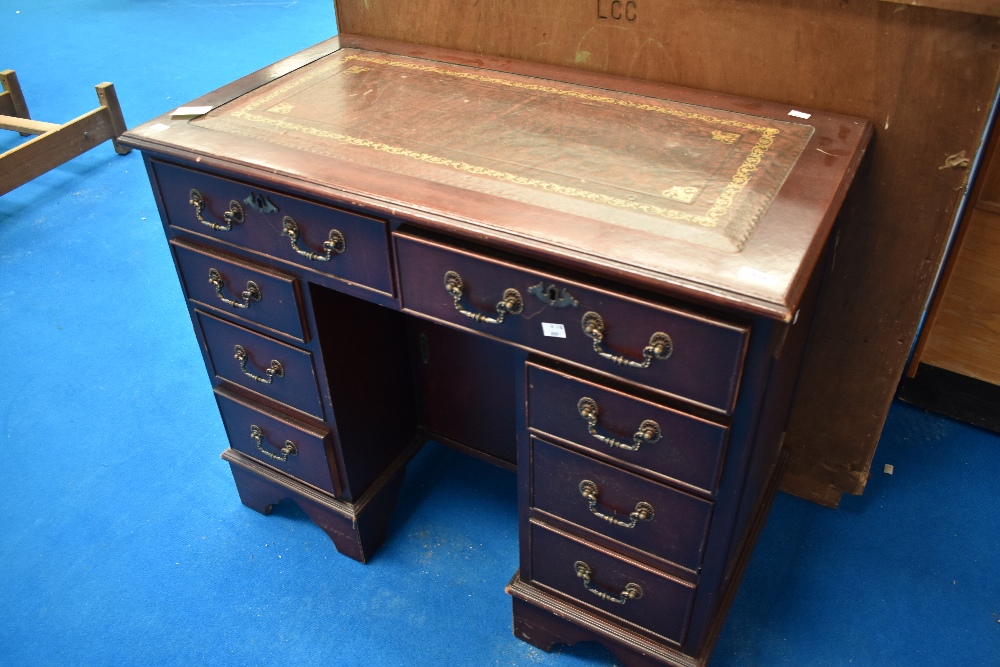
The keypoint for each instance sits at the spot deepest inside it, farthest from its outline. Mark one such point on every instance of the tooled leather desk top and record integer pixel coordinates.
(724, 198)
(660, 166)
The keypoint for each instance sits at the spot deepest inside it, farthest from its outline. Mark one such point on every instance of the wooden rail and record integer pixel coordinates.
(54, 143)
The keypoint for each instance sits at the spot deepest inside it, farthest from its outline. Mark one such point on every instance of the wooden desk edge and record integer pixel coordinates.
(783, 308)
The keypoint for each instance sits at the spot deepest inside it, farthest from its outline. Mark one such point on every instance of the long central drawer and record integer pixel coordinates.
(689, 355)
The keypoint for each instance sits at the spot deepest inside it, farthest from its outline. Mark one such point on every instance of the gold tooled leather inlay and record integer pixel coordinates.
(718, 209)
(619, 158)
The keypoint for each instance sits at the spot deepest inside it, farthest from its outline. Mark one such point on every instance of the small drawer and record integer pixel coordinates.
(279, 441)
(345, 245)
(622, 428)
(633, 510)
(269, 298)
(611, 583)
(685, 354)
(261, 364)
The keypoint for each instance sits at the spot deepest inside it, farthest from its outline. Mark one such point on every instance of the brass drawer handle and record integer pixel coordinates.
(335, 243)
(642, 511)
(649, 430)
(276, 369)
(512, 302)
(233, 215)
(631, 592)
(252, 292)
(660, 346)
(288, 450)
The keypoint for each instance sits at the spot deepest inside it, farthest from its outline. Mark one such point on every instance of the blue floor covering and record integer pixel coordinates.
(124, 542)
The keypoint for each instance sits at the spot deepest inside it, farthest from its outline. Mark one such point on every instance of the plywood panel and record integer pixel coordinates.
(925, 77)
(988, 184)
(966, 334)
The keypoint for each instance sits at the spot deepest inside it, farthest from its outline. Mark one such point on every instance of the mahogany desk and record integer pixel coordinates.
(604, 283)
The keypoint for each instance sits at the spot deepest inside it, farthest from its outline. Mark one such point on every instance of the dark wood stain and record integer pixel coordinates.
(399, 355)
(925, 78)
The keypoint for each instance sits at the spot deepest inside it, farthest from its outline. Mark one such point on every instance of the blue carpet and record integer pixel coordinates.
(124, 542)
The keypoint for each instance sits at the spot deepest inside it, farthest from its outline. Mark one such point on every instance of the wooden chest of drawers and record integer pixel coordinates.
(603, 283)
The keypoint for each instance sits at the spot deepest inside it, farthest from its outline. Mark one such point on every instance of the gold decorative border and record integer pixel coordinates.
(718, 209)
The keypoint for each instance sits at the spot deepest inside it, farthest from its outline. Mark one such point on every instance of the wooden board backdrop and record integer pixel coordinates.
(925, 77)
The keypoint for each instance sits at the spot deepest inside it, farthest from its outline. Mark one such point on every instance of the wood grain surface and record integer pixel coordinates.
(966, 333)
(962, 333)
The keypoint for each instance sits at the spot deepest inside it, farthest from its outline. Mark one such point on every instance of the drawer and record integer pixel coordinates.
(357, 251)
(279, 441)
(700, 358)
(269, 298)
(636, 511)
(622, 428)
(281, 372)
(611, 583)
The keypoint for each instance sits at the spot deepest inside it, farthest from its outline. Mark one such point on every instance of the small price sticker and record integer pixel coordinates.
(190, 112)
(553, 330)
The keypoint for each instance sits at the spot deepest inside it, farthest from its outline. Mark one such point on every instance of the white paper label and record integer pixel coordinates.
(800, 114)
(190, 112)
(159, 127)
(553, 330)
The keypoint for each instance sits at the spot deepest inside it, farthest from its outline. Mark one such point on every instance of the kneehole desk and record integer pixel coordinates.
(606, 284)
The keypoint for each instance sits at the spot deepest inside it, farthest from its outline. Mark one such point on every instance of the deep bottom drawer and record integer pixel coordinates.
(611, 583)
(281, 442)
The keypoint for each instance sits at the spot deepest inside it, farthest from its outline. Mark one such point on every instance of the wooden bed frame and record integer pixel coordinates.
(54, 143)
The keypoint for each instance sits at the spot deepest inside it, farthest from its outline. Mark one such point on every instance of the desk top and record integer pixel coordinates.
(675, 190)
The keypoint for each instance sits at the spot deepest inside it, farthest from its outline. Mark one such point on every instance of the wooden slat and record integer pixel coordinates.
(6, 104)
(12, 99)
(26, 125)
(109, 99)
(37, 156)
(15, 98)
